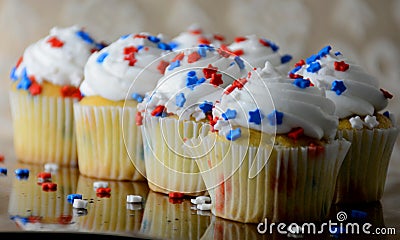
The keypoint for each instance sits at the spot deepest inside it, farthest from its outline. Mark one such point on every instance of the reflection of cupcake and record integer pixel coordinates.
(163, 219)
(358, 100)
(250, 174)
(177, 110)
(44, 89)
(111, 214)
(256, 51)
(35, 209)
(116, 78)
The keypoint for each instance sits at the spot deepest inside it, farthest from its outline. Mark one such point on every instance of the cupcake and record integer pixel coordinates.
(177, 110)
(45, 86)
(194, 36)
(116, 79)
(111, 214)
(272, 153)
(257, 50)
(359, 104)
(165, 220)
(34, 209)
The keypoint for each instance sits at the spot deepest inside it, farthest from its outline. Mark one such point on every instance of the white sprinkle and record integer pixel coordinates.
(204, 206)
(133, 206)
(80, 204)
(356, 122)
(100, 184)
(134, 199)
(370, 121)
(51, 167)
(200, 200)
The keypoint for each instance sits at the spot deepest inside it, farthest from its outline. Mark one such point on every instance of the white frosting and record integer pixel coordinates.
(192, 37)
(362, 95)
(174, 83)
(256, 54)
(109, 75)
(267, 90)
(57, 65)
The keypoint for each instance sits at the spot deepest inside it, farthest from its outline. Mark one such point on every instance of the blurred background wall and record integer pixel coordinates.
(365, 30)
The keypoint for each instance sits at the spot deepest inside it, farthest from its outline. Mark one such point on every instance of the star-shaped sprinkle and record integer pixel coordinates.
(314, 67)
(275, 118)
(370, 121)
(324, 51)
(206, 106)
(70, 91)
(180, 100)
(386, 94)
(35, 88)
(209, 71)
(131, 59)
(341, 66)
(234, 134)
(301, 83)
(229, 114)
(338, 87)
(312, 59)
(55, 42)
(295, 133)
(356, 122)
(255, 116)
(216, 79)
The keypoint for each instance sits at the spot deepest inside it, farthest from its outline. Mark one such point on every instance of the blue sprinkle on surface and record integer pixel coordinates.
(85, 36)
(137, 97)
(386, 114)
(338, 53)
(153, 39)
(312, 58)
(275, 118)
(13, 74)
(164, 46)
(314, 67)
(324, 51)
(296, 69)
(25, 82)
(180, 100)
(234, 134)
(140, 47)
(125, 36)
(101, 57)
(74, 196)
(301, 83)
(206, 106)
(255, 116)
(272, 45)
(3, 171)
(338, 87)
(202, 51)
(173, 45)
(239, 62)
(174, 64)
(229, 114)
(21, 172)
(286, 58)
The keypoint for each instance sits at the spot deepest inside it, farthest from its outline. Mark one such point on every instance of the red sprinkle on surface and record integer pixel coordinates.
(295, 133)
(300, 63)
(139, 119)
(64, 219)
(238, 52)
(216, 79)
(19, 61)
(295, 76)
(49, 186)
(209, 71)
(44, 175)
(179, 57)
(129, 50)
(236, 84)
(55, 42)
(35, 88)
(240, 39)
(131, 59)
(264, 43)
(162, 65)
(71, 91)
(386, 94)
(2, 158)
(157, 110)
(203, 40)
(176, 195)
(196, 31)
(103, 190)
(193, 57)
(341, 66)
(224, 51)
(139, 36)
(219, 37)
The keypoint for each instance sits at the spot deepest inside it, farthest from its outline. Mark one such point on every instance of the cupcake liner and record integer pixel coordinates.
(111, 214)
(165, 220)
(362, 176)
(42, 210)
(109, 143)
(168, 167)
(296, 184)
(43, 129)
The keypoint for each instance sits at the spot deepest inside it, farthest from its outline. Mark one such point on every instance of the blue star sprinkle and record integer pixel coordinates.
(173, 65)
(255, 116)
(206, 106)
(338, 87)
(229, 114)
(314, 67)
(275, 118)
(312, 58)
(234, 134)
(180, 100)
(301, 83)
(324, 51)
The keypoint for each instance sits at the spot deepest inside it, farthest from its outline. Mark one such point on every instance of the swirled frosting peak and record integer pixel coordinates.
(272, 103)
(128, 67)
(353, 90)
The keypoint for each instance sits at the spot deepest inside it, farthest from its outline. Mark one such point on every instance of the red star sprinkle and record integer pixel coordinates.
(103, 190)
(35, 88)
(129, 50)
(240, 39)
(264, 43)
(341, 66)
(193, 57)
(300, 63)
(139, 119)
(71, 91)
(179, 57)
(295, 133)
(216, 79)
(44, 175)
(55, 42)
(176, 195)
(210, 70)
(49, 186)
(162, 65)
(203, 40)
(219, 37)
(386, 94)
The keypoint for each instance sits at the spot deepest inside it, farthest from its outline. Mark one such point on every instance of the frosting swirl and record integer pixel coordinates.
(353, 91)
(194, 80)
(130, 65)
(272, 103)
(58, 58)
